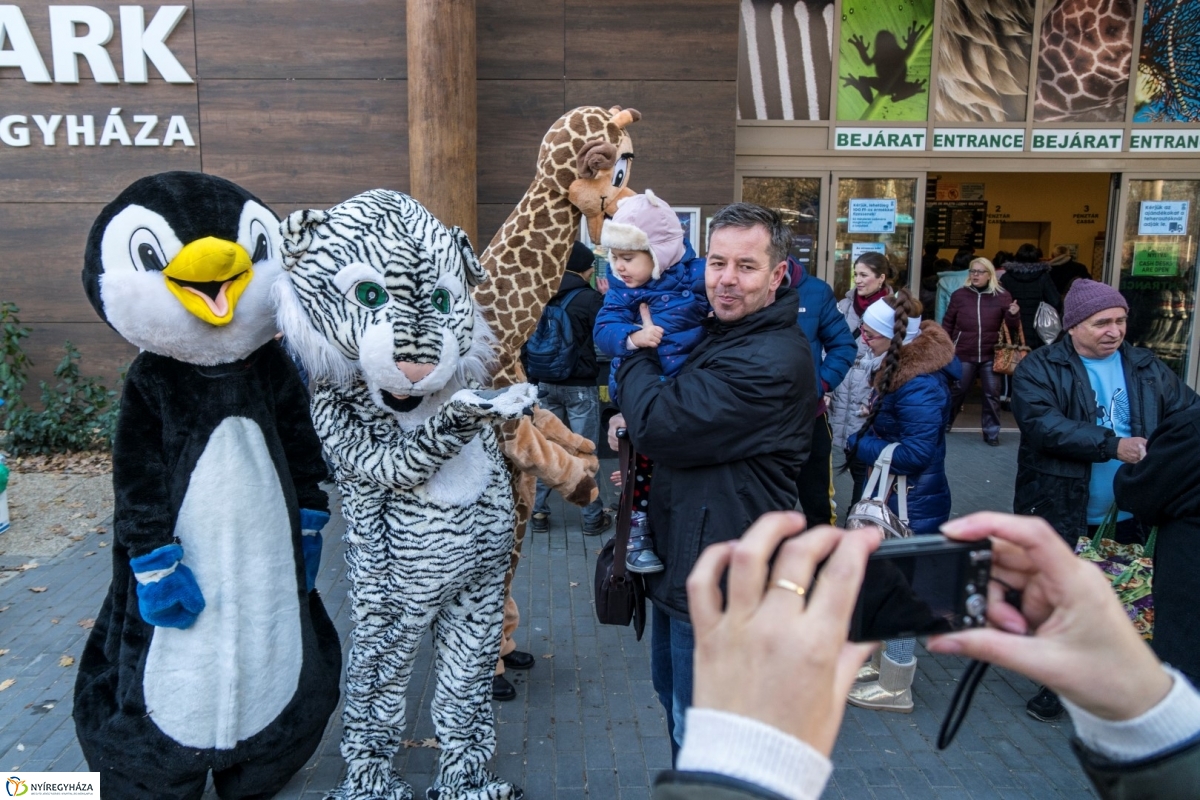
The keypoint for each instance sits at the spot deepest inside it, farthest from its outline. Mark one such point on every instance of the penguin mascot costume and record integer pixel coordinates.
(212, 651)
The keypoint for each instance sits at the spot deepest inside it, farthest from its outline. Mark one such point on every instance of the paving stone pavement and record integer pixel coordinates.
(586, 722)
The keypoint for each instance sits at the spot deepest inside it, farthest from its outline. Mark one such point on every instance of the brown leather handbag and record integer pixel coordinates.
(620, 595)
(1009, 355)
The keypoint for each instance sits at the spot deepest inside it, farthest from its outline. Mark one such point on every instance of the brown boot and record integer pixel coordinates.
(893, 690)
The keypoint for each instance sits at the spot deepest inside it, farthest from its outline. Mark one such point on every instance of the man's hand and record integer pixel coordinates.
(615, 422)
(1131, 450)
(763, 651)
(650, 335)
(1070, 633)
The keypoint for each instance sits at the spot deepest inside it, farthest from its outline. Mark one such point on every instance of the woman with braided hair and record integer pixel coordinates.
(910, 405)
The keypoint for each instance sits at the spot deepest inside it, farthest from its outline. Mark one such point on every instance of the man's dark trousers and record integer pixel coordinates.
(816, 478)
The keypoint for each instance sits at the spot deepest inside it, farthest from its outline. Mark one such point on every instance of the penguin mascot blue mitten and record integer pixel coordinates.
(211, 652)
(376, 301)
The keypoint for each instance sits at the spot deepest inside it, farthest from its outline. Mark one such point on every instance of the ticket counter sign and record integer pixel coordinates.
(1156, 259)
(872, 215)
(1163, 218)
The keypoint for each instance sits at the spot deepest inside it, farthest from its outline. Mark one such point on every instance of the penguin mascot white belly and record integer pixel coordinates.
(212, 652)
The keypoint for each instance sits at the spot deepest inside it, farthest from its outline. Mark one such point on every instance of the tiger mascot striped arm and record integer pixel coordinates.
(375, 300)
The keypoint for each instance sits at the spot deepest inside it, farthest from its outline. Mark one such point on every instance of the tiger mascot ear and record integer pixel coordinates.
(297, 234)
(471, 265)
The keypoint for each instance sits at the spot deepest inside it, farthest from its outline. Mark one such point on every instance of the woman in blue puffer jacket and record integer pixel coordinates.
(911, 406)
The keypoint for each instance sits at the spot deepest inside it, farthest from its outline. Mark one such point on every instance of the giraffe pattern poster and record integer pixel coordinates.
(1085, 55)
(884, 60)
(983, 61)
(1168, 75)
(786, 59)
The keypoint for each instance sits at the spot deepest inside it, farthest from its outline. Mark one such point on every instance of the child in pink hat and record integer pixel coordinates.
(656, 298)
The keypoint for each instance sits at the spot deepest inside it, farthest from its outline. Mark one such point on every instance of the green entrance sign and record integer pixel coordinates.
(1156, 259)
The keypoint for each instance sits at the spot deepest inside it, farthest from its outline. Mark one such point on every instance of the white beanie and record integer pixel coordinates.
(646, 222)
(881, 318)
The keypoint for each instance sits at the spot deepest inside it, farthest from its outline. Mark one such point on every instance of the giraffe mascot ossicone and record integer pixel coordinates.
(582, 171)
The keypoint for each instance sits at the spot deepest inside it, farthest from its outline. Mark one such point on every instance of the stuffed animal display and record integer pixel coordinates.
(211, 652)
(376, 300)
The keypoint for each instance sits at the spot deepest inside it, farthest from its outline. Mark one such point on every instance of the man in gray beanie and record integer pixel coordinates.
(1085, 405)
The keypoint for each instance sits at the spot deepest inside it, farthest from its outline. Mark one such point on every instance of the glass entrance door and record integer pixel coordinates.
(876, 214)
(798, 199)
(1158, 266)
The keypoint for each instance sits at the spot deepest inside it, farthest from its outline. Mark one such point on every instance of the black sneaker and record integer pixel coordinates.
(539, 523)
(599, 526)
(502, 690)
(1044, 706)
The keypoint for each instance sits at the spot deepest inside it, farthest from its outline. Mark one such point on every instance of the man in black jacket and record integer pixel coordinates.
(575, 400)
(1085, 405)
(729, 434)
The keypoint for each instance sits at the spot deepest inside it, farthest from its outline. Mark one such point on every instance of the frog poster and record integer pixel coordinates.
(883, 64)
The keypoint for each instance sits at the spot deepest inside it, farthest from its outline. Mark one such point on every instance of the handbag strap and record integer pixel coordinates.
(1021, 334)
(1005, 337)
(628, 463)
(881, 478)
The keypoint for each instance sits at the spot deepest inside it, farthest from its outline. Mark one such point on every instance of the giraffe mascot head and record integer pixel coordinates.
(582, 171)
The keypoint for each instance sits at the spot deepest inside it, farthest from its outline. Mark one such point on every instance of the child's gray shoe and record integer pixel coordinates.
(640, 557)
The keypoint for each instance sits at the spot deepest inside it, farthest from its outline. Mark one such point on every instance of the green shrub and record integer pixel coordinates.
(78, 413)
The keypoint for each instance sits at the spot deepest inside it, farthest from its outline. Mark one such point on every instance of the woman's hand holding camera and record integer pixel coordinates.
(1070, 633)
(771, 653)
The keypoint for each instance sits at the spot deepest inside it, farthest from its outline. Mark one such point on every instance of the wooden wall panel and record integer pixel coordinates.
(43, 257)
(301, 39)
(685, 140)
(322, 141)
(65, 173)
(513, 118)
(102, 352)
(491, 217)
(637, 40)
(519, 39)
(181, 42)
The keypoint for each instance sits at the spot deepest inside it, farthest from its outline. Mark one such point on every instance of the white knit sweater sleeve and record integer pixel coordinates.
(752, 751)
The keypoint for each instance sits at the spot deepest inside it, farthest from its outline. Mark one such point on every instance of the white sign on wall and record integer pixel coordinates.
(978, 140)
(858, 248)
(872, 215)
(1077, 141)
(879, 139)
(1168, 141)
(1168, 218)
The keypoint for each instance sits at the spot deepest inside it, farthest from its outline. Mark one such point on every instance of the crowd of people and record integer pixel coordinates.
(739, 377)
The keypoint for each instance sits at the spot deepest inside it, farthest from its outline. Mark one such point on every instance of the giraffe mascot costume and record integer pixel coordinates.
(582, 171)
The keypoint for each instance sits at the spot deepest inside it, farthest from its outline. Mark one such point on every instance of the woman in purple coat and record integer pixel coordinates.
(973, 320)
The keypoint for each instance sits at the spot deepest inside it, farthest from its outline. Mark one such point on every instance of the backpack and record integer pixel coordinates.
(549, 354)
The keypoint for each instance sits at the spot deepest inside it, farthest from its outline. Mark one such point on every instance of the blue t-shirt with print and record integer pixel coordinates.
(1107, 376)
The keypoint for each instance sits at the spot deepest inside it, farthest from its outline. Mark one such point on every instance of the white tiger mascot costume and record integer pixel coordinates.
(375, 300)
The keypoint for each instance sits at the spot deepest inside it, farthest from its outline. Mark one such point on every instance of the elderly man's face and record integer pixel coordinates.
(1101, 334)
(740, 277)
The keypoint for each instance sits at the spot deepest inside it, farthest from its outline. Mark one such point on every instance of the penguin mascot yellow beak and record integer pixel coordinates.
(208, 276)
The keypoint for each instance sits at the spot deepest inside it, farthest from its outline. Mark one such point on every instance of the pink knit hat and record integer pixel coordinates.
(1089, 297)
(646, 222)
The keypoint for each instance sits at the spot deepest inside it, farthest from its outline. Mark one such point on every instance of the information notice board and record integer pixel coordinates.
(956, 223)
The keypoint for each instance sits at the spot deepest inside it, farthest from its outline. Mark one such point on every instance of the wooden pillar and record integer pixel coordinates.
(441, 110)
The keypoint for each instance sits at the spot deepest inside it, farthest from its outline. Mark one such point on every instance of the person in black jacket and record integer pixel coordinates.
(728, 434)
(1027, 279)
(1084, 405)
(1163, 489)
(576, 400)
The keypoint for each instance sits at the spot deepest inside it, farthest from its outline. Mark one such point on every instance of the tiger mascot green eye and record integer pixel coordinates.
(375, 301)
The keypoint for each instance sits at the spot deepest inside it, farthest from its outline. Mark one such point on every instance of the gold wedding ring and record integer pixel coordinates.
(784, 583)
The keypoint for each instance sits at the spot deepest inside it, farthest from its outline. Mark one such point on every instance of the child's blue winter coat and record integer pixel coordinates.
(677, 303)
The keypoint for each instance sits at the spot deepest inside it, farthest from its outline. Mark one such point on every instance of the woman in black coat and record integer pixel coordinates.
(1163, 489)
(1027, 279)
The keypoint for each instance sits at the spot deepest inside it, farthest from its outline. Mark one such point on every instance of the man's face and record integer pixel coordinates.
(740, 277)
(1101, 334)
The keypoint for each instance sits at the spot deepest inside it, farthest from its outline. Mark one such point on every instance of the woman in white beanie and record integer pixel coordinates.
(915, 368)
